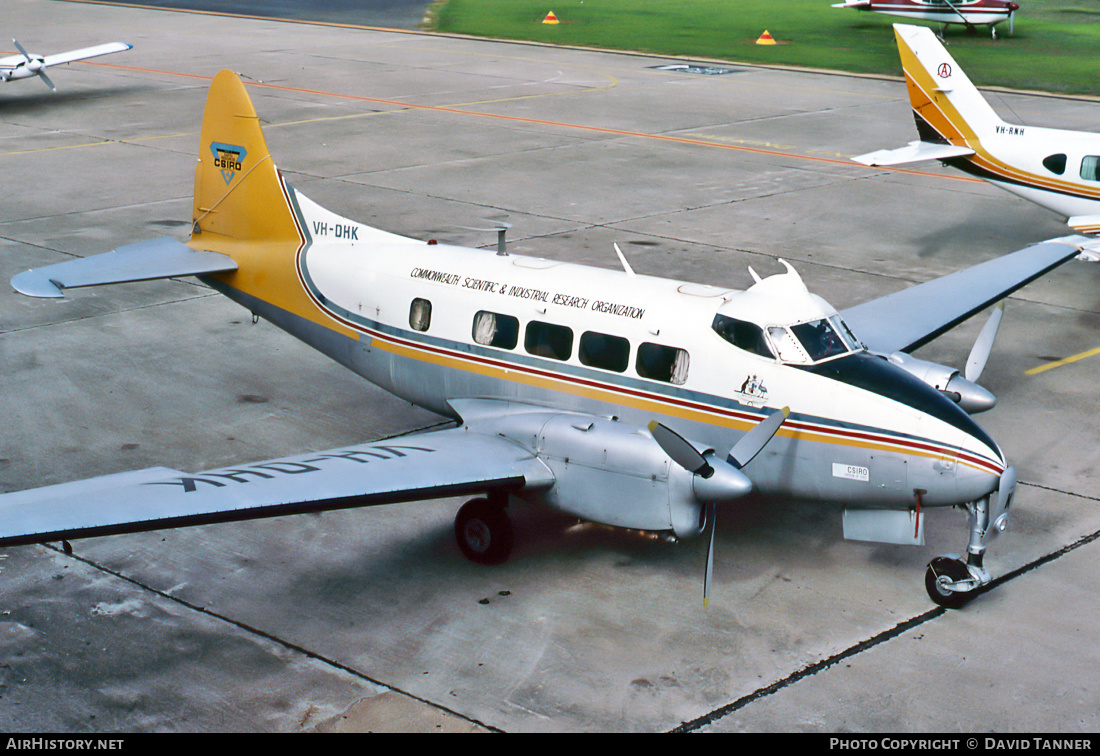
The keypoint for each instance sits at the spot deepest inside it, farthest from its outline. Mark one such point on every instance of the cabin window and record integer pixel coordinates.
(493, 329)
(420, 314)
(602, 351)
(548, 340)
(1056, 164)
(743, 335)
(1090, 168)
(662, 363)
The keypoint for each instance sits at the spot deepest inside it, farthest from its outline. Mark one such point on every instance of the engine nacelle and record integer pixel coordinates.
(610, 472)
(967, 394)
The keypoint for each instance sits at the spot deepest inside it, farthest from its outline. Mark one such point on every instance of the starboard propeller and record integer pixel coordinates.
(960, 387)
(716, 480)
(35, 65)
(979, 353)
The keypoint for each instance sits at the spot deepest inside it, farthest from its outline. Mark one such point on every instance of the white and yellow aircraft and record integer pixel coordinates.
(624, 399)
(1055, 168)
(26, 65)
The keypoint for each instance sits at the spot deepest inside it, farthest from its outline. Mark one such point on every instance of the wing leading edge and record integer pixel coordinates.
(908, 319)
(450, 462)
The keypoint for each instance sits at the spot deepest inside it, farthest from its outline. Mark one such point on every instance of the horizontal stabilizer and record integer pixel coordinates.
(430, 465)
(1085, 224)
(143, 261)
(910, 318)
(914, 152)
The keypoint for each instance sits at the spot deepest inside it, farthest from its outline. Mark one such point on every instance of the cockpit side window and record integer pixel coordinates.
(1056, 164)
(743, 335)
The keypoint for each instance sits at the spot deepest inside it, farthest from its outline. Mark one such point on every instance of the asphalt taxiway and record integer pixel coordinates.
(372, 619)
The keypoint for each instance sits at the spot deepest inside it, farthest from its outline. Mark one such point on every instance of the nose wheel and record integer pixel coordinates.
(949, 582)
(484, 531)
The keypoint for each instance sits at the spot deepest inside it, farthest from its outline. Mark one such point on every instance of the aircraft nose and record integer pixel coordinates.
(973, 482)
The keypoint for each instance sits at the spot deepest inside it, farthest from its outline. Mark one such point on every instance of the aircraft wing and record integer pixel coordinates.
(84, 53)
(450, 462)
(910, 318)
(914, 152)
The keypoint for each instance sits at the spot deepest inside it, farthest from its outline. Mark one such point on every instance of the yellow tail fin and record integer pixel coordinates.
(242, 207)
(238, 192)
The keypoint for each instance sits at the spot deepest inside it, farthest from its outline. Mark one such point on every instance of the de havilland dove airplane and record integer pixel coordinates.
(26, 65)
(623, 399)
(969, 13)
(1054, 168)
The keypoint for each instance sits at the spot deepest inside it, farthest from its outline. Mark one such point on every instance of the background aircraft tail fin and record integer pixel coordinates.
(947, 106)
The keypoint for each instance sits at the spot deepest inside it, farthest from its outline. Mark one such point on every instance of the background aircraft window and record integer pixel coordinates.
(743, 335)
(420, 314)
(603, 351)
(496, 330)
(1056, 164)
(548, 340)
(662, 363)
(1090, 168)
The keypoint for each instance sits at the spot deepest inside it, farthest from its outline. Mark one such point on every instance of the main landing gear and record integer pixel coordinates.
(484, 531)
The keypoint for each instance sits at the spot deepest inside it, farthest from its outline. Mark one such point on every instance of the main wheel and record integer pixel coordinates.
(483, 532)
(953, 569)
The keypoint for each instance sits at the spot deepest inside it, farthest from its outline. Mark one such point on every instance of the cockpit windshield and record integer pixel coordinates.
(805, 343)
(825, 338)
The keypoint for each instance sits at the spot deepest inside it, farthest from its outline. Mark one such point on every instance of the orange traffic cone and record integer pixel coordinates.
(550, 18)
(765, 39)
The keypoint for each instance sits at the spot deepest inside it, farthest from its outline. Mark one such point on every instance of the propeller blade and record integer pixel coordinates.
(682, 452)
(710, 556)
(19, 47)
(46, 79)
(1011, 22)
(979, 354)
(756, 439)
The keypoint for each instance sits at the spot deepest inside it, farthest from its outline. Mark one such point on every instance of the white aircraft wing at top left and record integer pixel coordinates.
(27, 65)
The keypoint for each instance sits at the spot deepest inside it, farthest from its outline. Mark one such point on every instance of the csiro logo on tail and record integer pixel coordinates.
(228, 159)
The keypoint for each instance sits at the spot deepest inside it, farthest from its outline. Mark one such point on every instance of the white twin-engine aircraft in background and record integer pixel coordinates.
(25, 65)
(624, 399)
(1055, 168)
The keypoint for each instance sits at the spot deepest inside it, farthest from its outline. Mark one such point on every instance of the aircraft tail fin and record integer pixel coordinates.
(249, 228)
(239, 194)
(948, 108)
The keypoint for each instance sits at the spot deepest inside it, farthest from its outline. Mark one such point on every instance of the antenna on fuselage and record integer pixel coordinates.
(622, 258)
(501, 227)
